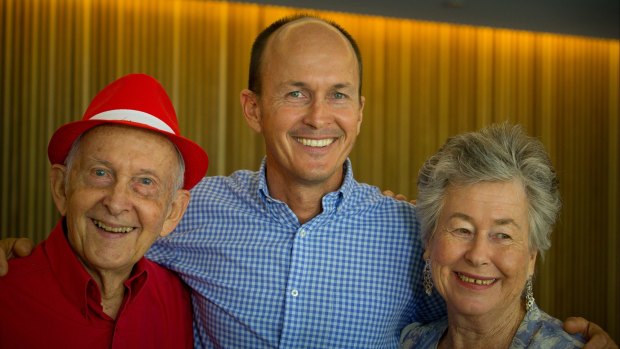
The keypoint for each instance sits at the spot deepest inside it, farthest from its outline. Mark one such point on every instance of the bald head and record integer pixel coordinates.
(302, 33)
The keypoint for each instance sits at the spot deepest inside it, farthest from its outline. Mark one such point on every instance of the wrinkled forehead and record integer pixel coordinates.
(127, 141)
(120, 131)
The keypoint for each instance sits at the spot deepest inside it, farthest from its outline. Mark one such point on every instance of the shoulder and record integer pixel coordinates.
(418, 335)
(540, 330)
(238, 188)
(28, 267)
(220, 194)
(27, 276)
(160, 274)
(551, 332)
(218, 185)
(164, 279)
(367, 197)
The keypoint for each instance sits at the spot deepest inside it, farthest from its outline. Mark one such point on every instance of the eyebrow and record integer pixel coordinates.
(500, 221)
(142, 171)
(99, 161)
(304, 85)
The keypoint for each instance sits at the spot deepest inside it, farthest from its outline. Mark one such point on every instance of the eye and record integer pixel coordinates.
(147, 187)
(98, 177)
(340, 95)
(295, 94)
(463, 232)
(502, 236)
(146, 181)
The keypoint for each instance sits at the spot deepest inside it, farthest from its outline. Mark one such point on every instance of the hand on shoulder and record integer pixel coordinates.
(13, 247)
(400, 197)
(597, 337)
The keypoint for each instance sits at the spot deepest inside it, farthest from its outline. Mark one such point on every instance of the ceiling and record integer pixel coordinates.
(593, 18)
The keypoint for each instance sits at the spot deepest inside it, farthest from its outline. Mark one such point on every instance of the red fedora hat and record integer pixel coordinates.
(135, 100)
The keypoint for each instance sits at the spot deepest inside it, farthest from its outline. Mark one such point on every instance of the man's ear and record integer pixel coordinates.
(175, 213)
(58, 179)
(361, 112)
(251, 110)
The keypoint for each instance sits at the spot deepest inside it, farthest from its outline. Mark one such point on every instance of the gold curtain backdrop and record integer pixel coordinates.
(423, 82)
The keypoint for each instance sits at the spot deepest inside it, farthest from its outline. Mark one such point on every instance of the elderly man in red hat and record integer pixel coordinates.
(120, 178)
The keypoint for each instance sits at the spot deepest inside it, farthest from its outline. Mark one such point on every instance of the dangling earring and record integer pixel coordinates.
(428, 281)
(529, 295)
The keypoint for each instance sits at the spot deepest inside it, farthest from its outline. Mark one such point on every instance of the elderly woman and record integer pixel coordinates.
(487, 202)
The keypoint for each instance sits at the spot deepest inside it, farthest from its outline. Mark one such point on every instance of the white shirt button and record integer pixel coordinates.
(294, 293)
(302, 233)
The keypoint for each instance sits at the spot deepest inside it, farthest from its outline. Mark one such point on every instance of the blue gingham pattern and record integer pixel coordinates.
(349, 278)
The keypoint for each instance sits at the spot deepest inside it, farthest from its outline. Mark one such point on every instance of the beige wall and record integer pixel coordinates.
(423, 82)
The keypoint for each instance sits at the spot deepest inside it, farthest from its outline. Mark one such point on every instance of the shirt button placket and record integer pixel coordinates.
(301, 234)
(294, 309)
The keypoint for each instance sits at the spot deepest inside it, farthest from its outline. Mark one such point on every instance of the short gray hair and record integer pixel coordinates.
(497, 153)
(178, 180)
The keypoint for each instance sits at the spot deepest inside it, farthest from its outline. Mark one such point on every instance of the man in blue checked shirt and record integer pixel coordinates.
(299, 254)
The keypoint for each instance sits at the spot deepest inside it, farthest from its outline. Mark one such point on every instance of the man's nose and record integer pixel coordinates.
(319, 114)
(118, 198)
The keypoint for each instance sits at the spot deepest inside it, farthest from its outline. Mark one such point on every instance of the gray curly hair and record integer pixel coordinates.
(497, 153)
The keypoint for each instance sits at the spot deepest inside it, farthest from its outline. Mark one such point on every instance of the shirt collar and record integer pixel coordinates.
(331, 203)
(75, 282)
(345, 189)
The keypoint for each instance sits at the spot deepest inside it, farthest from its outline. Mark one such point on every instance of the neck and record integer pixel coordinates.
(485, 331)
(303, 198)
(112, 288)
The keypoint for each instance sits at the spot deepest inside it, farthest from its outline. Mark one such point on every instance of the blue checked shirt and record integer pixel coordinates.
(348, 278)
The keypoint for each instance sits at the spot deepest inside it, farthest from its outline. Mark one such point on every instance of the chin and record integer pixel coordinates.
(111, 263)
(473, 308)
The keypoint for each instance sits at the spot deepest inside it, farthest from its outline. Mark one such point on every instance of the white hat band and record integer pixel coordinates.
(133, 116)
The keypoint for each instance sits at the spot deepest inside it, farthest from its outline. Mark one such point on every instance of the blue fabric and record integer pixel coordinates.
(538, 330)
(349, 278)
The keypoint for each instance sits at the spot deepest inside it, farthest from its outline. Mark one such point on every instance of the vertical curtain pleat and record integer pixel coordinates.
(423, 82)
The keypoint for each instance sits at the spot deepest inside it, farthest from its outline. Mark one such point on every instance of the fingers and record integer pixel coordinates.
(11, 247)
(388, 193)
(400, 197)
(6, 245)
(575, 325)
(594, 334)
(391, 194)
(23, 247)
(3, 263)
(599, 338)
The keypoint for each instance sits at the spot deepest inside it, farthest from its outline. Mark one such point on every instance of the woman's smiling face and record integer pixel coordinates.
(480, 255)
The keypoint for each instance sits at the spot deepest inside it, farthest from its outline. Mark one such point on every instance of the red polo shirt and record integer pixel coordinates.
(48, 300)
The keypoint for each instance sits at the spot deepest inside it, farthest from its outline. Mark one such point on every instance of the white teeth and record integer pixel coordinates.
(475, 281)
(319, 143)
(111, 229)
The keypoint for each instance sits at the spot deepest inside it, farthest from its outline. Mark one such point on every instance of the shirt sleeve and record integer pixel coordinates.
(162, 252)
(427, 308)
